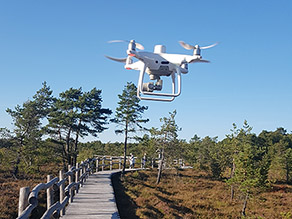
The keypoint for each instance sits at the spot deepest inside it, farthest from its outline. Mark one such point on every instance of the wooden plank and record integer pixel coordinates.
(95, 199)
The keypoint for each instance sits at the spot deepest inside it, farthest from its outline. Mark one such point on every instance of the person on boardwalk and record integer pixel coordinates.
(144, 159)
(132, 161)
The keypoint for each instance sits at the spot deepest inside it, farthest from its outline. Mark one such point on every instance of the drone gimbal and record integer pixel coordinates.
(145, 90)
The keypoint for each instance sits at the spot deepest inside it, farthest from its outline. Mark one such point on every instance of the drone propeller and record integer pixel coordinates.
(189, 47)
(123, 60)
(196, 48)
(210, 46)
(199, 60)
(185, 45)
(138, 45)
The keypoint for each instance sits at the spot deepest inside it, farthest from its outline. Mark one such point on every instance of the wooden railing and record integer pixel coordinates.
(73, 180)
(67, 183)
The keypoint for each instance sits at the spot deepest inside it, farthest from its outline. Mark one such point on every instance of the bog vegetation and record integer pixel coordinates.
(239, 173)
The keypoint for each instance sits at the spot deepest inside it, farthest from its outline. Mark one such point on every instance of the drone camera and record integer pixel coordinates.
(150, 86)
(158, 85)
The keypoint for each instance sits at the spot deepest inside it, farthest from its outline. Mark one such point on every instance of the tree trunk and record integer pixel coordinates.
(232, 192)
(244, 206)
(231, 176)
(16, 168)
(75, 152)
(287, 172)
(160, 167)
(68, 151)
(125, 148)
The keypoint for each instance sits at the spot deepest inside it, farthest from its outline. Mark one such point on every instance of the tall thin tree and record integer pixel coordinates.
(128, 115)
(167, 141)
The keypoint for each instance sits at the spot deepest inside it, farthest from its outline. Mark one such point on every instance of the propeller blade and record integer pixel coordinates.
(123, 60)
(185, 45)
(138, 45)
(199, 60)
(207, 47)
(117, 41)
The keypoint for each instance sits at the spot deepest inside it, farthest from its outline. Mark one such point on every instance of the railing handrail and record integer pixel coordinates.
(28, 200)
(31, 198)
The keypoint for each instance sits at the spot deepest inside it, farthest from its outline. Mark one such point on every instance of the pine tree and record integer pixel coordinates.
(128, 115)
(28, 127)
(167, 142)
(76, 114)
(250, 164)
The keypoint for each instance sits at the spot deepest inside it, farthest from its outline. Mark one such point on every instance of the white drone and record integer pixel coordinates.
(157, 64)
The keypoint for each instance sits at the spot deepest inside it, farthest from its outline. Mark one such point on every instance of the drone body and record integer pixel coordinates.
(157, 64)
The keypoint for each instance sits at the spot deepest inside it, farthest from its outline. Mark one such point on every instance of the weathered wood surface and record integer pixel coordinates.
(95, 200)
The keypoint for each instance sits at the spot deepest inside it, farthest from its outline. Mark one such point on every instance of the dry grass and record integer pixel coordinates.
(194, 195)
(190, 194)
(10, 189)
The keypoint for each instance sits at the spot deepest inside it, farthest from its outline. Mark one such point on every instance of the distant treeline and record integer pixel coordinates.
(272, 149)
(207, 153)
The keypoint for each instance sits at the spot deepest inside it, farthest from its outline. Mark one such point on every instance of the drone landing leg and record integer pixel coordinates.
(172, 95)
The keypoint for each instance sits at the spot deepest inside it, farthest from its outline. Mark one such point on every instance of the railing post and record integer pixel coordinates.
(97, 162)
(23, 199)
(141, 162)
(62, 187)
(120, 163)
(77, 176)
(70, 177)
(111, 163)
(87, 169)
(84, 172)
(50, 193)
(102, 167)
(81, 173)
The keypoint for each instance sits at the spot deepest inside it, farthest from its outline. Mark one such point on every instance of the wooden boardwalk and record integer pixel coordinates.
(95, 199)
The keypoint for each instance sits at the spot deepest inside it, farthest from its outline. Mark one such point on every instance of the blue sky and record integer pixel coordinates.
(64, 43)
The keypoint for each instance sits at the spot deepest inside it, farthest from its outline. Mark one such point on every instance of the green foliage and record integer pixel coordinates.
(167, 143)
(76, 114)
(128, 115)
(99, 148)
(26, 136)
(73, 115)
(166, 138)
(85, 153)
